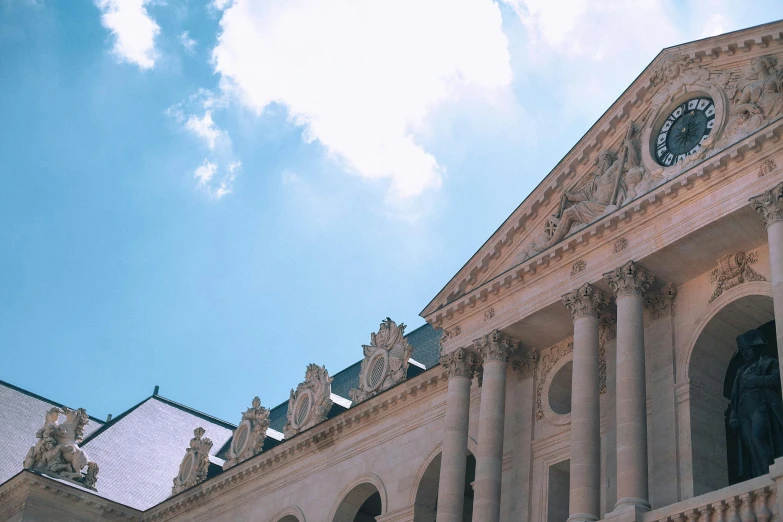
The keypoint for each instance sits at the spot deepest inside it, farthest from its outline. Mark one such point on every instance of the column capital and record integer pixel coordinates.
(585, 301)
(495, 346)
(769, 204)
(459, 363)
(629, 279)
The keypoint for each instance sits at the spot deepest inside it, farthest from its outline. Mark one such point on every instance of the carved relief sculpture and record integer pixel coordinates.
(757, 99)
(733, 269)
(248, 439)
(195, 465)
(310, 403)
(385, 361)
(548, 359)
(607, 331)
(57, 452)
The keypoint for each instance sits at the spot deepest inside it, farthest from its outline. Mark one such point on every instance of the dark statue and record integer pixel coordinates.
(756, 410)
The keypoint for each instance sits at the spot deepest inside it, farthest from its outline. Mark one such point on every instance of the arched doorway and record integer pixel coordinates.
(362, 504)
(289, 518)
(426, 504)
(712, 367)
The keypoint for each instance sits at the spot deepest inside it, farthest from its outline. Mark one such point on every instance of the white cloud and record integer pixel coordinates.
(133, 29)
(187, 42)
(361, 77)
(215, 182)
(206, 129)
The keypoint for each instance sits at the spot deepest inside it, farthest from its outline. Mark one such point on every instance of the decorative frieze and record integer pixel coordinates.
(770, 205)
(195, 465)
(629, 279)
(660, 304)
(495, 346)
(459, 363)
(310, 403)
(57, 453)
(248, 439)
(585, 301)
(548, 360)
(385, 361)
(733, 269)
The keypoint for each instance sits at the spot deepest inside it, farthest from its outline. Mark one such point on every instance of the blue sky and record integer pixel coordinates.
(209, 195)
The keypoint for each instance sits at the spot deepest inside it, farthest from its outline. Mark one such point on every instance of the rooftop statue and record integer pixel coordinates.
(385, 361)
(756, 407)
(57, 453)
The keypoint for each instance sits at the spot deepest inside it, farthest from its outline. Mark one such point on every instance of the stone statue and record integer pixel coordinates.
(249, 437)
(756, 407)
(57, 453)
(194, 468)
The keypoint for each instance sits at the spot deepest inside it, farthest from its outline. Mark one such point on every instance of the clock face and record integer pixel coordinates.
(684, 131)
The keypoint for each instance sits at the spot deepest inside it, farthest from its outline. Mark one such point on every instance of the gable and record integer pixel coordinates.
(732, 82)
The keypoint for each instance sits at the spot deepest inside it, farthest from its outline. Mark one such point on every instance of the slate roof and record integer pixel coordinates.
(25, 413)
(140, 451)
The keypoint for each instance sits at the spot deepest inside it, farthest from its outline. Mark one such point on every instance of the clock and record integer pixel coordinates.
(684, 131)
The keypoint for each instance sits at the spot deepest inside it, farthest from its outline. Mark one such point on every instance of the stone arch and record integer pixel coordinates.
(353, 497)
(289, 514)
(701, 372)
(425, 491)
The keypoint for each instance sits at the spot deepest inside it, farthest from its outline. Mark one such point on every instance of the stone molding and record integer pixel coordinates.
(733, 269)
(629, 279)
(459, 363)
(57, 452)
(495, 346)
(195, 464)
(248, 439)
(585, 301)
(385, 361)
(769, 204)
(310, 403)
(660, 304)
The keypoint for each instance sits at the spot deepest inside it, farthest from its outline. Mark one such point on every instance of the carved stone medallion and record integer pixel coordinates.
(195, 465)
(385, 361)
(310, 403)
(248, 439)
(733, 269)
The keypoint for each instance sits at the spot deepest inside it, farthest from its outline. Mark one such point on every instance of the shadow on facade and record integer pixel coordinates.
(426, 506)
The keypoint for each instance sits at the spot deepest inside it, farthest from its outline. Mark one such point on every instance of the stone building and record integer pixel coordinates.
(582, 365)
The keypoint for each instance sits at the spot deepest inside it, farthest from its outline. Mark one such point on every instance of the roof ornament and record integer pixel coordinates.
(57, 452)
(310, 403)
(385, 361)
(195, 465)
(249, 437)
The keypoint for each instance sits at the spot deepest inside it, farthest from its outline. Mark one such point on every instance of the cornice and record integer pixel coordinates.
(551, 259)
(571, 168)
(322, 435)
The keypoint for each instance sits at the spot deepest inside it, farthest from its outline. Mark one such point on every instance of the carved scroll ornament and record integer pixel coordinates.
(385, 361)
(310, 403)
(57, 452)
(249, 437)
(195, 465)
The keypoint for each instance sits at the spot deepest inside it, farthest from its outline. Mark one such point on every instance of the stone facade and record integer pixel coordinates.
(585, 346)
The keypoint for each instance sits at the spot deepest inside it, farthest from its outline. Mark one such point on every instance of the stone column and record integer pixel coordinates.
(460, 366)
(770, 206)
(494, 349)
(585, 305)
(629, 283)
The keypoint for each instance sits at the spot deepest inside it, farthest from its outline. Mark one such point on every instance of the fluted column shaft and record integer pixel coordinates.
(770, 206)
(494, 349)
(585, 305)
(460, 365)
(629, 283)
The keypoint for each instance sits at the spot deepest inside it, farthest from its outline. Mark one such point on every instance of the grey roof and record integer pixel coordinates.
(22, 414)
(139, 452)
(426, 345)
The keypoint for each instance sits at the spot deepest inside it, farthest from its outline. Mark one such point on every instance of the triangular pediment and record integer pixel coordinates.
(690, 103)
